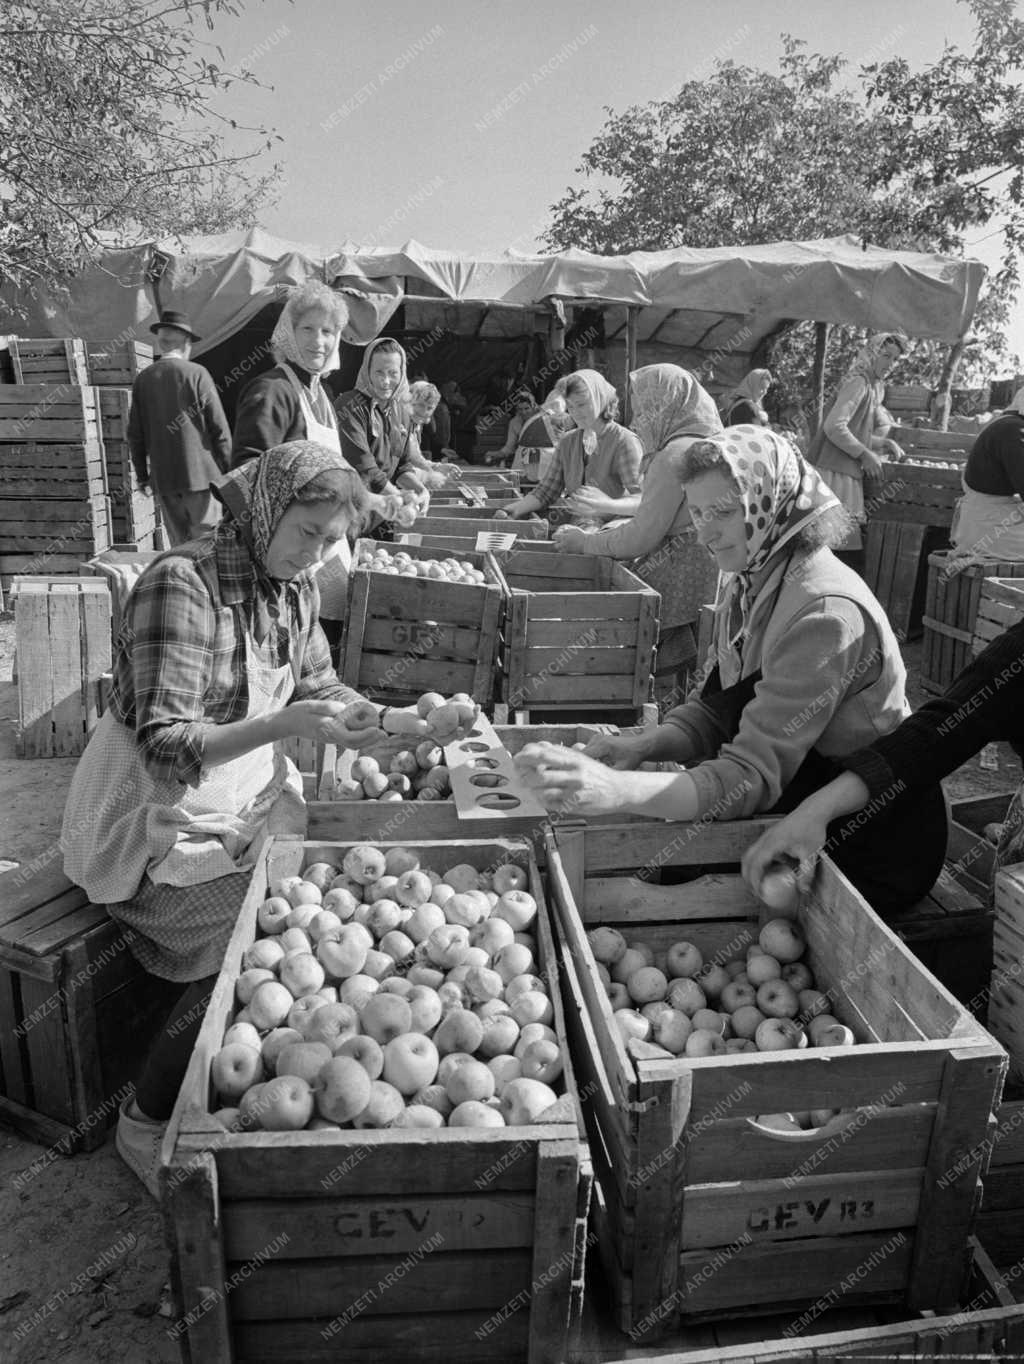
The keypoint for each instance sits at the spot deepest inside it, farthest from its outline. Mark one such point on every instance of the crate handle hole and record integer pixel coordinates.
(498, 800)
(474, 748)
(488, 779)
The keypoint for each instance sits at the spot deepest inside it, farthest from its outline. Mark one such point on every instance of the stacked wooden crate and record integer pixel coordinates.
(134, 512)
(54, 500)
(908, 403)
(951, 614)
(49, 360)
(1000, 605)
(117, 364)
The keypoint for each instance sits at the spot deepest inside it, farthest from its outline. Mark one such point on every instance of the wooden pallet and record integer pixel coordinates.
(406, 636)
(580, 635)
(1000, 606)
(49, 360)
(77, 1012)
(497, 1209)
(951, 610)
(705, 1212)
(117, 363)
(62, 629)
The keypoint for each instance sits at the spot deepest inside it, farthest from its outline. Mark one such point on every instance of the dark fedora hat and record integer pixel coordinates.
(170, 318)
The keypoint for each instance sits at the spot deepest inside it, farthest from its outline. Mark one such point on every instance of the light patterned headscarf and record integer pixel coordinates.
(781, 494)
(602, 393)
(668, 402)
(751, 388)
(865, 359)
(283, 345)
(399, 400)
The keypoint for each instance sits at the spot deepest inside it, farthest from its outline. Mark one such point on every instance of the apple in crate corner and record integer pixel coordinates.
(234, 1069)
(342, 1089)
(779, 1034)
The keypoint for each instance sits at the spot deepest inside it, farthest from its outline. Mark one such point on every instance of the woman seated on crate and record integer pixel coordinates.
(595, 466)
(984, 704)
(670, 412)
(220, 657)
(989, 519)
(540, 434)
(744, 404)
(854, 436)
(806, 670)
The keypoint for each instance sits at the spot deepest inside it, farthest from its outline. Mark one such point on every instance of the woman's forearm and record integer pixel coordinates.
(842, 796)
(524, 506)
(659, 795)
(223, 743)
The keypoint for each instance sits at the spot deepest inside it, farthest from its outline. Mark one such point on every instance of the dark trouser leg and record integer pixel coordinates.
(156, 1090)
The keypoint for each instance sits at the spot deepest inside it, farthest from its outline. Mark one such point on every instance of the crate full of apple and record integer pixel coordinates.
(420, 623)
(785, 1104)
(382, 1077)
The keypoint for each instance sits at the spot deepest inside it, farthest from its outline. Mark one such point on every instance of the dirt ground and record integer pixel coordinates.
(83, 1268)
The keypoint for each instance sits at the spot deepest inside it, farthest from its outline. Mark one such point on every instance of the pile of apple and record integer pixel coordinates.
(932, 463)
(383, 994)
(382, 560)
(417, 772)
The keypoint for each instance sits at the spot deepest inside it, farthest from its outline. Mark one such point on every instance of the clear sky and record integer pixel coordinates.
(461, 123)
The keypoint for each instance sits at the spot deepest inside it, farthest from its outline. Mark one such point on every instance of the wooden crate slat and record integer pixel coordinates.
(1000, 605)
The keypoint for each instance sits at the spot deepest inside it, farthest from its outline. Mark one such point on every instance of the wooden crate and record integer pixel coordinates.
(122, 569)
(469, 526)
(950, 932)
(508, 1204)
(63, 414)
(896, 569)
(49, 360)
(35, 530)
(77, 1012)
(1000, 605)
(908, 399)
(989, 1325)
(705, 1212)
(373, 821)
(950, 614)
(405, 636)
(580, 633)
(308, 757)
(134, 512)
(967, 848)
(63, 643)
(36, 471)
(1006, 993)
(920, 494)
(1001, 1220)
(117, 363)
(927, 443)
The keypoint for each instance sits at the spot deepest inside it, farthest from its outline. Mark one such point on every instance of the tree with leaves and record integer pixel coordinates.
(109, 125)
(913, 160)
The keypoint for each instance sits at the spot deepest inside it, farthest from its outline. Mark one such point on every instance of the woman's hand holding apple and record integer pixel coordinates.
(623, 752)
(565, 779)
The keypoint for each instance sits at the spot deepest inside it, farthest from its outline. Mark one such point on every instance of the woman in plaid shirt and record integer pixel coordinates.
(595, 466)
(220, 656)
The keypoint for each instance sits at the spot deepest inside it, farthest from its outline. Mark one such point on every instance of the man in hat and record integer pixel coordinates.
(179, 437)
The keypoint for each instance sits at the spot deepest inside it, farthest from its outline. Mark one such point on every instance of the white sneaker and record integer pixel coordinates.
(138, 1143)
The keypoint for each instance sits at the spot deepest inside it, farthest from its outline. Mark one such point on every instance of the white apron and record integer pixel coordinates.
(121, 824)
(987, 527)
(333, 571)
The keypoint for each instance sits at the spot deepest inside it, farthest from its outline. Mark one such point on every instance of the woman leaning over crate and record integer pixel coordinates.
(220, 657)
(806, 670)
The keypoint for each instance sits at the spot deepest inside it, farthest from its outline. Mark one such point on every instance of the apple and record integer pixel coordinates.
(428, 755)
(303, 1058)
(447, 946)
(670, 1029)
(270, 1005)
(779, 1034)
(342, 1089)
(459, 1030)
(340, 901)
(418, 1115)
(385, 1016)
(321, 874)
(492, 935)
(398, 985)
(475, 1114)
(798, 974)
(382, 1108)
(328, 993)
(514, 960)
(302, 974)
(704, 1042)
(519, 985)
(776, 999)
(364, 864)
(820, 1116)
(441, 893)
(423, 920)
(273, 1044)
(364, 766)
(449, 1063)
(344, 955)
(384, 915)
(517, 907)
(452, 995)
(332, 1025)
(541, 1060)
(779, 889)
(413, 888)
(524, 1100)
(813, 1003)
(284, 885)
(397, 945)
(490, 1007)
(713, 979)
(245, 985)
(501, 1034)
(504, 1067)
(686, 995)
(627, 965)
(646, 985)
(244, 1016)
(266, 954)
(532, 1007)
(684, 959)
(782, 939)
(422, 973)
(737, 995)
(482, 984)
(345, 789)
(378, 965)
(357, 989)
(300, 1015)
(235, 1068)
(294, 939)
(272, 914)
(646, 951)
(472, 1080)
(397, 861)
(508, 877)
(709, 1020)
(740, 1044)
(286, 1104)
(762, 968)
(410, 1062)
(746, 1020)
(366, 1051)
(735, 968)
(305, 893)
(618, 996)
(249, 1108)
(630, 1023)
(430, 700)
(325, 924)
(467, 908)
(228, 1119)
(434, 1096)
(835, 1035)
(461, 877)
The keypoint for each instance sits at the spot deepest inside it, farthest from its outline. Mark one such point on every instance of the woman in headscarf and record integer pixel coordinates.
(219, 659)
(670, 412)
(744, 404)
(416, 413)
(540, 434)
(854, 436)
(807, 670)
(600, 455)
(989, 519)
(524, 406)
(371, 420)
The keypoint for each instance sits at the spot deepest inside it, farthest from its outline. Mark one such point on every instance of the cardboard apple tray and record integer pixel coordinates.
(700, 1210)
(456, 1244)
